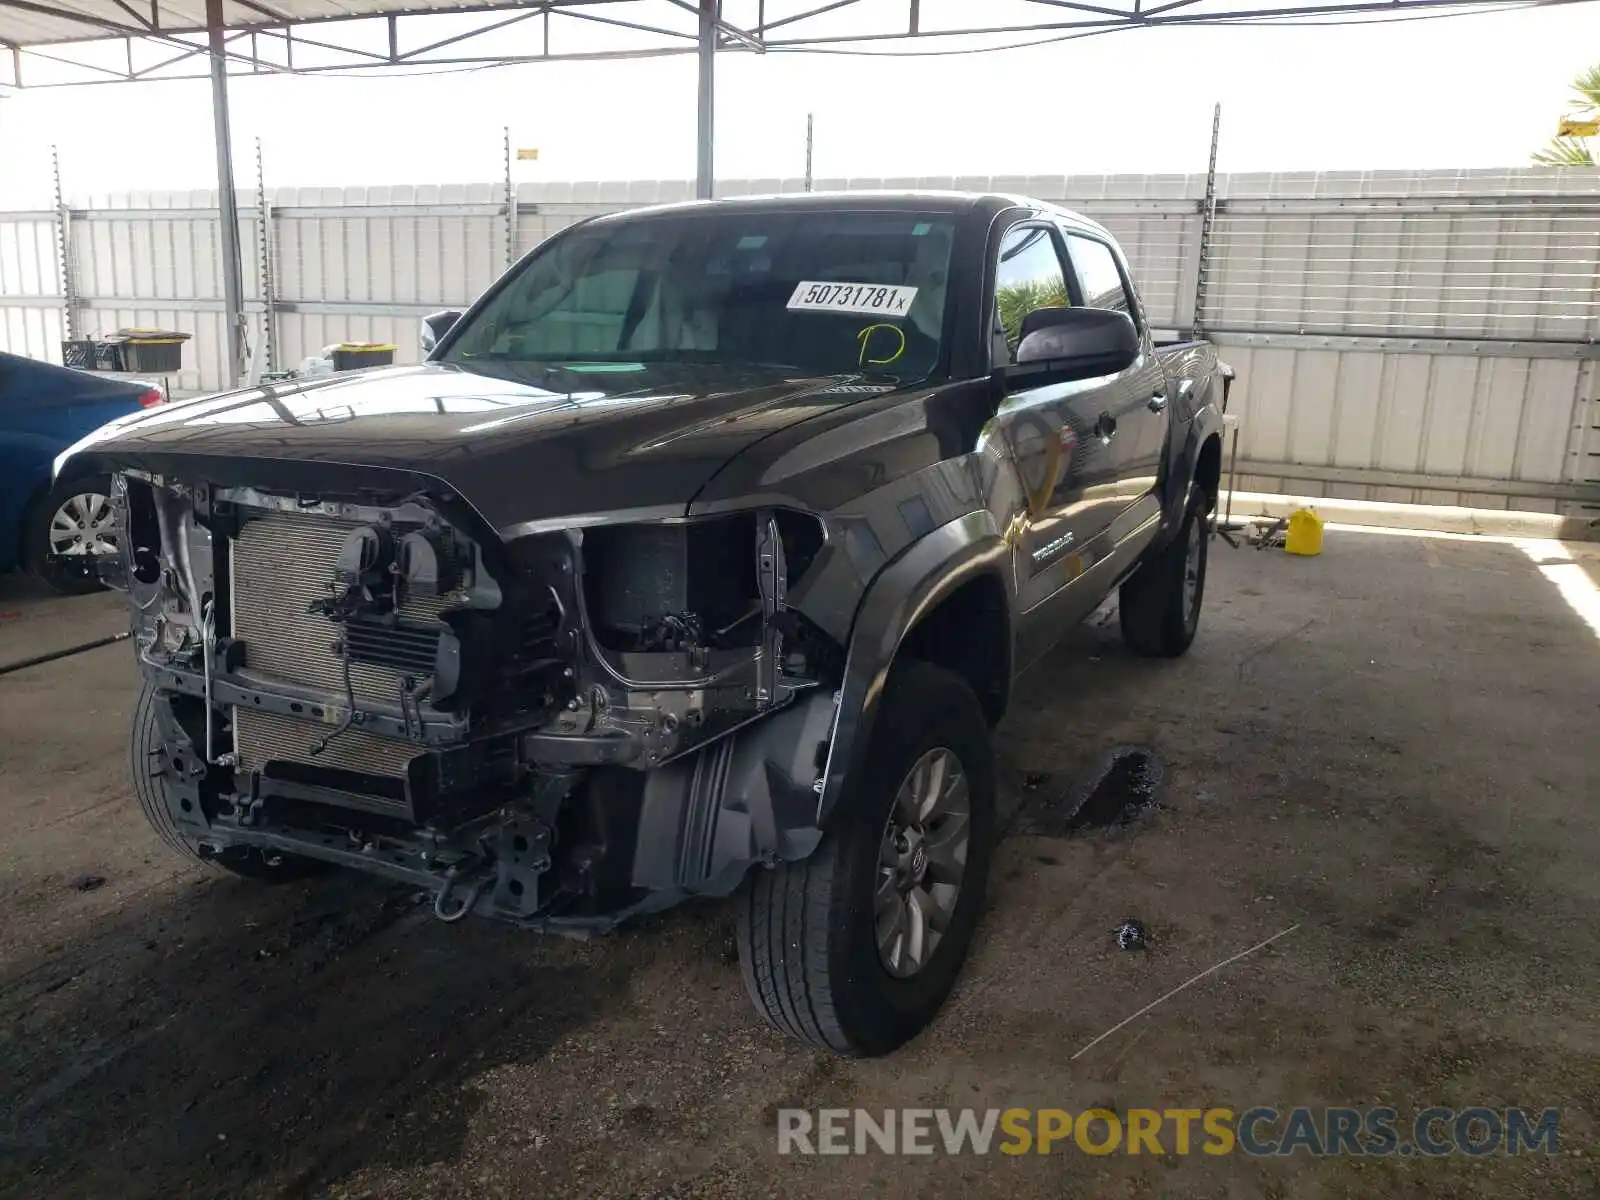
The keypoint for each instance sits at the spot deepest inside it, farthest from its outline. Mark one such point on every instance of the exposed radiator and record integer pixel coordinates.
(263, 737)
(282, 562)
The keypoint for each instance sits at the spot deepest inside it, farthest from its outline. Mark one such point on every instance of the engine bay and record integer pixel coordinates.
(340, 678)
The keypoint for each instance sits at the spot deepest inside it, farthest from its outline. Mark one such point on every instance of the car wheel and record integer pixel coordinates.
(1160, 604)
(69, 529)
(855, 948)
(144, 749)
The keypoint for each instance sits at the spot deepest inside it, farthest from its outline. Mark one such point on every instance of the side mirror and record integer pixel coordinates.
(436, 325)
(1062, 344)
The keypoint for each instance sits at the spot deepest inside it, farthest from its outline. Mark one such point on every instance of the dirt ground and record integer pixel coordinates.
(1395, 746)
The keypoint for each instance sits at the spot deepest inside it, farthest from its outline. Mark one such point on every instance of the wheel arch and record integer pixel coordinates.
(956, 572)
(1193, 458)
(968, 631)
(27, 458)
(20, 547)
(1208, 469)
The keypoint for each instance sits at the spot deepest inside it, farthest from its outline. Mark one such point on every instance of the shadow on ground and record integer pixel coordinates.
(226, 1042)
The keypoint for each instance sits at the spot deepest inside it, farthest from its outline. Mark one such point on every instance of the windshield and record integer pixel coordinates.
(820, 292)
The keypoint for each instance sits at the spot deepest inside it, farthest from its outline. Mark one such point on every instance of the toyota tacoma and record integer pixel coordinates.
(698, 558)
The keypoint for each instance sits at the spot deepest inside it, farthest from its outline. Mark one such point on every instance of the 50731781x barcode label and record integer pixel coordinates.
(868, 299)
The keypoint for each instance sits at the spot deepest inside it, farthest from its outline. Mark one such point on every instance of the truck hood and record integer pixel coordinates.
(526, 445)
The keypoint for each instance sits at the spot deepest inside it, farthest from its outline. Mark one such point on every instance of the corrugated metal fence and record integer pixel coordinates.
(1422, 337)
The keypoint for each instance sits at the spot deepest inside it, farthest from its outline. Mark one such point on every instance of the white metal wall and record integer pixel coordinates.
(148, 259)
(30, 266)
(1415, 426)
(364, 264)
(1423, 337)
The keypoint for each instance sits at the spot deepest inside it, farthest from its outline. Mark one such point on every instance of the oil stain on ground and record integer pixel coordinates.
(1117, 792)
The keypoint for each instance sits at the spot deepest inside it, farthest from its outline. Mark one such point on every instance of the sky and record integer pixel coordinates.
(1480, 90)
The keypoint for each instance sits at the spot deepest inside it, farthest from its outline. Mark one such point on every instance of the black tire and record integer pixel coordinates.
(1159, 613)
(808, 946)
(55, 575)
(144, 752)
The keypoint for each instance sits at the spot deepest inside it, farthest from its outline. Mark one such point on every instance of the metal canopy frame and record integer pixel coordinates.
(263, 36)
(81, 42)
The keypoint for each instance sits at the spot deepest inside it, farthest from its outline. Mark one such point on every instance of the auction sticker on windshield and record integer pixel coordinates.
(868, 299)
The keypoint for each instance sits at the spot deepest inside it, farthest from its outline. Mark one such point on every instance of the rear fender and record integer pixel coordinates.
(1204, 421)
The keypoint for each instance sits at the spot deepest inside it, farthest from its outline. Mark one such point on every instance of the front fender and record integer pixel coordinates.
(899, 596)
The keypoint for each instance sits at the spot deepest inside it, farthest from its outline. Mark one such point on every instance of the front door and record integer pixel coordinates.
(1059, 438)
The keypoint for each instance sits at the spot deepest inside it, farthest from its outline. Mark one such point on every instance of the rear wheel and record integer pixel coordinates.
(855, 948)
(145, 749)
(69, 530)
(1160, 604)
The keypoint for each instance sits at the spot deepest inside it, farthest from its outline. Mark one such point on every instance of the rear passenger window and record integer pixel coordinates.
(1099, 275)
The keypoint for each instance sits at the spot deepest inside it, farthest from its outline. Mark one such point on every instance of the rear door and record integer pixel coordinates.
(1054, 436)
(1137, 402)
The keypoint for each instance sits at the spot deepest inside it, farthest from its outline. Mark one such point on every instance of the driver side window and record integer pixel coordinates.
(1028, 277)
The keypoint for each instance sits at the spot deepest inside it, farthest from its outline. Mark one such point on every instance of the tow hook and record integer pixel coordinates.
(467, 900)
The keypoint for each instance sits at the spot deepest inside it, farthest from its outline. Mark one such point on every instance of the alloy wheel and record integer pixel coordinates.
(921, 862)
(1193, 564)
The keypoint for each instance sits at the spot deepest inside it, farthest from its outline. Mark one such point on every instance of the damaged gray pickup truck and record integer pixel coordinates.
(698, 559)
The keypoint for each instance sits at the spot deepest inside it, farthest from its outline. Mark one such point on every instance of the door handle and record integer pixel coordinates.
(1105, 427)
(1158, 402)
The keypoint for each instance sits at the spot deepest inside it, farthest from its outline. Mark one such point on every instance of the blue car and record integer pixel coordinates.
(56, 532)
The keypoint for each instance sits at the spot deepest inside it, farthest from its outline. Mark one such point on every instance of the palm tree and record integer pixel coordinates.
(1574, 151)
(1017, 300)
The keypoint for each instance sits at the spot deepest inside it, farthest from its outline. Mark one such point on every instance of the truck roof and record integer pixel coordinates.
(876, 200)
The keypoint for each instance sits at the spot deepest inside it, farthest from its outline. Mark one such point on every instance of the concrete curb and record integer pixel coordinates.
(1441, 517)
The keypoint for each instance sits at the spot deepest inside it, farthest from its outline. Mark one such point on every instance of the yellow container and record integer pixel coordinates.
(1305, 532)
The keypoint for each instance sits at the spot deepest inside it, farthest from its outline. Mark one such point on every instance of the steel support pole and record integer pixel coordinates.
(811, 130)
(511, 205)
(269, 289)
(69, 288)
(1208, 221)
(227, 199)
(705, 172)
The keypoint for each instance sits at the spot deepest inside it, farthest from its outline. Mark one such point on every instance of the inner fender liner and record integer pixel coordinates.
(748, 798)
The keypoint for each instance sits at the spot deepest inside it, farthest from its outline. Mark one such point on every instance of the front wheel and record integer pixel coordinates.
(1160, 604)
(855, 948)
(145, 749)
